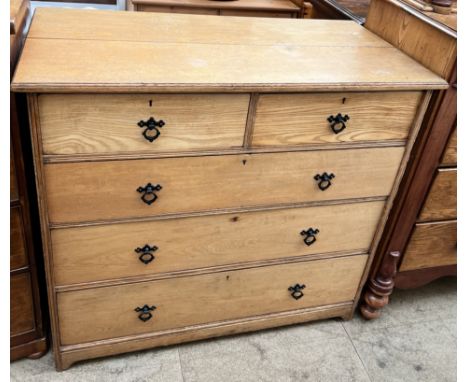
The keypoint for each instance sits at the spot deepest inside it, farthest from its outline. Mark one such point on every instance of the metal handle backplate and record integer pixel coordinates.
(145, 312)
(296, 291)
(149, 193)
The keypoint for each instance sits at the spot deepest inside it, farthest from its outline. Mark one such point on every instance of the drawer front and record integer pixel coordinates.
(441, 202)
(87, 254)
(241, 13)
(302, 119)
(185, 10)
(185, 301)
(99, 123)
(108, 190)
(21, 304)
(18, 255)
(450, 154)
(431, 245)
(13, 179)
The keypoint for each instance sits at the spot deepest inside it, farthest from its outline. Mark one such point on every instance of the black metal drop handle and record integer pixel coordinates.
(338, 122)
(324, 180)
(296, 291)
(310, 236)
(151, 133)
(145, 312)
(146, 256)
(149, 193)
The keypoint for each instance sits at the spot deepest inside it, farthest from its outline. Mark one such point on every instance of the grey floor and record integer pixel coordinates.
(414, 340)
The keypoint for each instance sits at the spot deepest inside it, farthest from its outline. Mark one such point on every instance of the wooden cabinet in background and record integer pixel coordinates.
(248, 8)
(27, 331)
(420, 237)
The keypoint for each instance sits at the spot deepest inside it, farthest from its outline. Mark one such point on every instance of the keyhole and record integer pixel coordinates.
(244, 161)
(343, 100)
(151, 102)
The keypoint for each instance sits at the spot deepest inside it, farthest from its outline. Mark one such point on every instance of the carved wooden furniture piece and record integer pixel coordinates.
(190, 190)
(422, 225)
(27, 336)
(250, 8)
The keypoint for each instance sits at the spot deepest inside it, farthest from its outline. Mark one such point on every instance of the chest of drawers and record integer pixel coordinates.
(27, 321)
(194, 185)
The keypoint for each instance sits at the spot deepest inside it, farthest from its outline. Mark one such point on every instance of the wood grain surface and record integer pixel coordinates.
(260, 5)
(276, 14)
(18, 254)
(19, 11)
(432, 47)
(100, 123)
(13, 180)
(178, 28)
(87, 254)
(211, 67)
(441, 202)
(431, 245)
(450, 154)
(80, 192)
(138, 65)
(217, 297)
(299, 119)
(183, 10)
(22, 305)
(73, 353)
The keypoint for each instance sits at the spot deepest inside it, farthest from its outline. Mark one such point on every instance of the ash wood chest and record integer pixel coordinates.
(201, 181)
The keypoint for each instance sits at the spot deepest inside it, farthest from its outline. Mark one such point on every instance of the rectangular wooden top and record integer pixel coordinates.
(107, 51)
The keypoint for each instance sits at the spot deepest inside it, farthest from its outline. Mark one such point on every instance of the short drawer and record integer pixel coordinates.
(431, 245)
(87, 254)
(96, 191)
(121, 123)
(184, 301)
(441, 202)
(18, 254)
(450, 154)
(314, 118)
(21, 304)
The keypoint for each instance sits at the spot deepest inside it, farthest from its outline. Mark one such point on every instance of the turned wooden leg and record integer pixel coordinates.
(379, 288)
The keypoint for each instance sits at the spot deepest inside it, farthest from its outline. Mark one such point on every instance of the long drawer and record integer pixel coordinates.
(101, 123)
(431, 245)
(450, 155)
(86, 254)
(18, 254)
(109, 312)
(21, 304)
(169, 9)
(13, 179)
(303, 119)
(257, 13)
(116, 189)
(441, 202)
